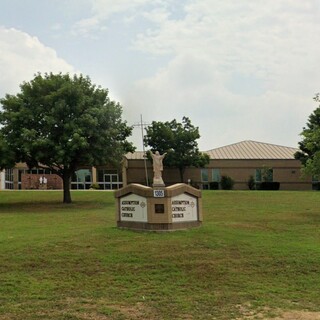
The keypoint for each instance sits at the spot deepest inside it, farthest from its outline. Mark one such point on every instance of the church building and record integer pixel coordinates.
(240, 161)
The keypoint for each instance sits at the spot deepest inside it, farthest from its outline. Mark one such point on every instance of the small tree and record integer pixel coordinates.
(226, 183)
(179, 141)
(310, 144)
(62, 122)
(251, 183)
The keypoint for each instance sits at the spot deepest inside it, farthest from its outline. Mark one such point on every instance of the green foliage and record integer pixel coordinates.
(251, 183)
(214, 185)
(95, 186)
(7, 156)
(269, 185)
(267, 174)
(226, 183)
(316, 186)
(179, 141)
(310, 144)
(64, 122)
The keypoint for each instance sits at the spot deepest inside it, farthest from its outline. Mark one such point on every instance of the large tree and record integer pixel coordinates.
(63, 122)
(179, 141)
(310, 143)
(7, 156)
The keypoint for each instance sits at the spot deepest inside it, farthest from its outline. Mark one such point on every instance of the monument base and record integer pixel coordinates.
(157, 185)
(158, 227)
(159, 208)
(158, 182)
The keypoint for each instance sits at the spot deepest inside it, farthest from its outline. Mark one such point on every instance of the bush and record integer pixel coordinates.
(316, 186)
(95, 186)
(269, 185)
(195, 184)
(226, 183)
(251, 183)
(214, 185)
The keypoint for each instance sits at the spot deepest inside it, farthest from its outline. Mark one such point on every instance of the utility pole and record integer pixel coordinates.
(141, 125)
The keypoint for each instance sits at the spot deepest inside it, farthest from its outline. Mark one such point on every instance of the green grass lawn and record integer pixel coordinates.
(256, 255)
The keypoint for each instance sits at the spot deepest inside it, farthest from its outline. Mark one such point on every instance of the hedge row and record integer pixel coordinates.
(227, 184)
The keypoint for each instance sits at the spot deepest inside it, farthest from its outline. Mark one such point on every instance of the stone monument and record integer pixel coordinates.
(159, 208)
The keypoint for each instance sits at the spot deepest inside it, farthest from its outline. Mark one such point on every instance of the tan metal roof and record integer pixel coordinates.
(137, 155)
(242, 150)
(252, 150)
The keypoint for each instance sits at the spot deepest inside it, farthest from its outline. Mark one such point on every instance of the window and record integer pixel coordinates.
(9, 179)
(204, 179)
(37, 171)
(109, 179)
(204, 175)
(81, 179)
(264, 175)
(216, 176)
(258, 175)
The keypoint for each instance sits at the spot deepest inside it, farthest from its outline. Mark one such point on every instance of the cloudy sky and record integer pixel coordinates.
(239, 69)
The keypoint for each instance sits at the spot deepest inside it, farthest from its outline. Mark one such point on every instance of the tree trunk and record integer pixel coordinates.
(66, 188)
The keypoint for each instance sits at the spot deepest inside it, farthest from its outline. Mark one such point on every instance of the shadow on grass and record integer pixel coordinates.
(48, 206)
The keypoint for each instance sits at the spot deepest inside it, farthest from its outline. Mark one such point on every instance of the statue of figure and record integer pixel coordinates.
(157, 167)
(41, 180)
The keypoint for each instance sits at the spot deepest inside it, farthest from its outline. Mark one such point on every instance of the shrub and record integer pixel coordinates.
(195, 184)
(214, 185)
(316, 186)
(251, 183)
(269, 185)
(95, 186)
(226, 183)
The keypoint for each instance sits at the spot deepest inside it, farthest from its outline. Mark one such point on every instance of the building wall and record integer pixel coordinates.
(2, 180)
(136, 173)
(22, 178)
(32, 181)
(287, 172)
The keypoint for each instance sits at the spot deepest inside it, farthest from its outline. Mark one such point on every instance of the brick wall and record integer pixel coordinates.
(32, 182)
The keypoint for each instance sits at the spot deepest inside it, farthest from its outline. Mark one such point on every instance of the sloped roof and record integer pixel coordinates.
(137, 155)
(243, 150)
(252, 150)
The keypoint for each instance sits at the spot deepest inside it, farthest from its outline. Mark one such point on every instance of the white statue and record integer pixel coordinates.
(157, 167)
(43, 180)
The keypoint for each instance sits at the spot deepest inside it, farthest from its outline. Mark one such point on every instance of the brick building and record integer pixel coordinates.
(238, 161)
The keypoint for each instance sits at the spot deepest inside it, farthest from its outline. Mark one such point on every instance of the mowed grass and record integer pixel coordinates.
(257, 254)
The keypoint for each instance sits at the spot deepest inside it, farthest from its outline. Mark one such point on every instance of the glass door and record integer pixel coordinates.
(111, 181)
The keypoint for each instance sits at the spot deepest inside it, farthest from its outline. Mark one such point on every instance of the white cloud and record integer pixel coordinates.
(243, 70)
(101, 11)
(21, 56)
(239, 69)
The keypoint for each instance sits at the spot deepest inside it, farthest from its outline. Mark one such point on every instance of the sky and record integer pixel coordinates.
(239, 69)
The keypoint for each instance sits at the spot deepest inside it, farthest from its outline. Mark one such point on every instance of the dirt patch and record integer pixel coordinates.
(247, 313)
(298, 315)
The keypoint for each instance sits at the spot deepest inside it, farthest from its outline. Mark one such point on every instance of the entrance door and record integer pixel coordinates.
(111, 181)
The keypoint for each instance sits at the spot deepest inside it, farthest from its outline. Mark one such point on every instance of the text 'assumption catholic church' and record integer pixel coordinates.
(240, 161)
